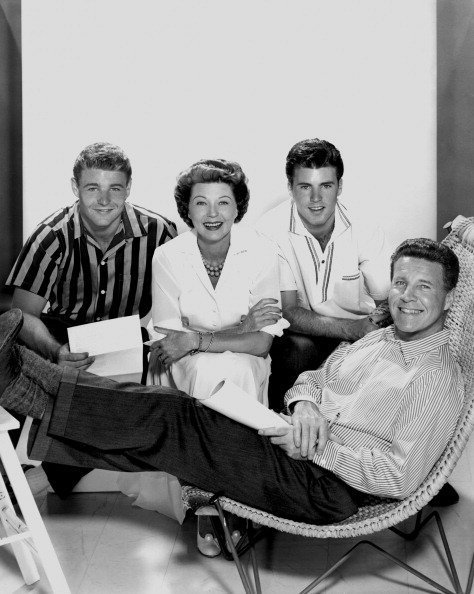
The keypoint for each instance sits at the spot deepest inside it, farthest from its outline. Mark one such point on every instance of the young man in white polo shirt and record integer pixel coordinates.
(334, 266)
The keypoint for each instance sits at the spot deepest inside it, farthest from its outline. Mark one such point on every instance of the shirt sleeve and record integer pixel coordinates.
(165, 294)
(310, 384)
(37, 266)
(426, 422)
(374, 263)
(287, 278)
(266, 284)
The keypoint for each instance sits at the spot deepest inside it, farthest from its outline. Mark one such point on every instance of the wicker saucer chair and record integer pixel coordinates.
(381, 515)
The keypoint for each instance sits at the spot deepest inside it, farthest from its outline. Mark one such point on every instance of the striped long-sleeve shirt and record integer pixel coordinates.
(398, 403)
(64, 264)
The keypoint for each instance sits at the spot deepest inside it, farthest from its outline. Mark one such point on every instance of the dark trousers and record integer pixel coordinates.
(95, 422)
(292, 354)
(64, 478)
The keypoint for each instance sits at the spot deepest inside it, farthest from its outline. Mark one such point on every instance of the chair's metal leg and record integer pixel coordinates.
(418, 526)
(230, 543)
(416, 529)
(328, 572)
(447, 550)
(470, 578)
(253, 554)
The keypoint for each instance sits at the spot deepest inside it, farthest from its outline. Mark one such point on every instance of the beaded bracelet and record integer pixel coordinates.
(210, 342)
(194, 351)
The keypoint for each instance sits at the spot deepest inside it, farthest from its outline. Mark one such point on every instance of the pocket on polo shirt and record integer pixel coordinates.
(346, 292)
(351, 277)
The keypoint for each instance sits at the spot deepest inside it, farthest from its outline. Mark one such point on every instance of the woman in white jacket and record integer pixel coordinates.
(216, 295)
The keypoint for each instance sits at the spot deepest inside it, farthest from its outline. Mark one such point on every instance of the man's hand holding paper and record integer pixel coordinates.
(116, 346)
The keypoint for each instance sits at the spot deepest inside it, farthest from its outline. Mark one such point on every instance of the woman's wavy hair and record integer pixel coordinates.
(211, 171)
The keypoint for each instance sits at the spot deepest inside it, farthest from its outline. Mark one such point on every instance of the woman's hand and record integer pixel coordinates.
(264, 313)
(174, 346)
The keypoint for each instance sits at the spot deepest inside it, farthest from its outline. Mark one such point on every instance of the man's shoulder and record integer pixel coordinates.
(149, 217)
(361, 224)
(59, 217)
(441, 361)
(276, 221)
(278, 214)
(56, 223)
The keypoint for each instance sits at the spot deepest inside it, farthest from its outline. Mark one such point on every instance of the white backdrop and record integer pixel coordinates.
(175, 81)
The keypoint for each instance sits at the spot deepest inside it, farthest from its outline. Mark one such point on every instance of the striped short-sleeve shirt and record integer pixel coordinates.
(63, 263)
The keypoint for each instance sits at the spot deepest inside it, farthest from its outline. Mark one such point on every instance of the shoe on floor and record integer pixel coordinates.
(206, 542)
(446, 496)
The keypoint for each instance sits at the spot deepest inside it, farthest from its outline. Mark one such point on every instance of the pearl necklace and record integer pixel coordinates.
(212, 269)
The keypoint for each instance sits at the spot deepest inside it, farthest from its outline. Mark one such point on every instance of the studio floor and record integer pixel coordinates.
(107, 546)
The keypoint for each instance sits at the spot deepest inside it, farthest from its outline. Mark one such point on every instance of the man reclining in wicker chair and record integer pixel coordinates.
(392, 399)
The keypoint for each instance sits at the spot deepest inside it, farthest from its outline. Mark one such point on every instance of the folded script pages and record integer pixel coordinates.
(233, 402)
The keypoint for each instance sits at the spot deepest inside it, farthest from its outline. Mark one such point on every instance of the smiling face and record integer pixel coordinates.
(102, 196)
(315, 193)
(212, 210)
(418, 298)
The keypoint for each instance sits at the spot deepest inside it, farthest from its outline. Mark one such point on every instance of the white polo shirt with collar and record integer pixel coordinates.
(343, 280)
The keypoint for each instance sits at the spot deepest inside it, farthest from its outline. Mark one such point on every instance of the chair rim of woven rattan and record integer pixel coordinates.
(373, 518)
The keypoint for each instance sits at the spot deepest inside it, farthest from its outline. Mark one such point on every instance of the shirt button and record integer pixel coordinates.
(323, 261)
(103, 263)
(97, 319)
(102, 292)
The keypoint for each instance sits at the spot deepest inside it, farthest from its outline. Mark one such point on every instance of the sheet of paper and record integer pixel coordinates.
(233, 402)
(118, 363)
(115, 344)
(108, 336)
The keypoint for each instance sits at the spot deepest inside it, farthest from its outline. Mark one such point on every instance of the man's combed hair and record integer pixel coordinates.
(211, 171)
(433, 251)
(102, 155)
(313, 153)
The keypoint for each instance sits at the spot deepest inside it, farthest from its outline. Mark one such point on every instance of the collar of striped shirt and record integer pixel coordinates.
(416, 348)
(130, 226)
(341, 221)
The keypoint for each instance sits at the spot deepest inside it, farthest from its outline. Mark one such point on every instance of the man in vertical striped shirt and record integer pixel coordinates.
(374, 419)
(87, 262)
(90, 261)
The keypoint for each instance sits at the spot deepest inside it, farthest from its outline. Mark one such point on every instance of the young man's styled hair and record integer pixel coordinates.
(313, 153)
(433, 251)
(102, 155)
(212, 171)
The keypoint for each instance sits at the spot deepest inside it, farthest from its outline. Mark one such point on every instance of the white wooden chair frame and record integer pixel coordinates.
(27, 535)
